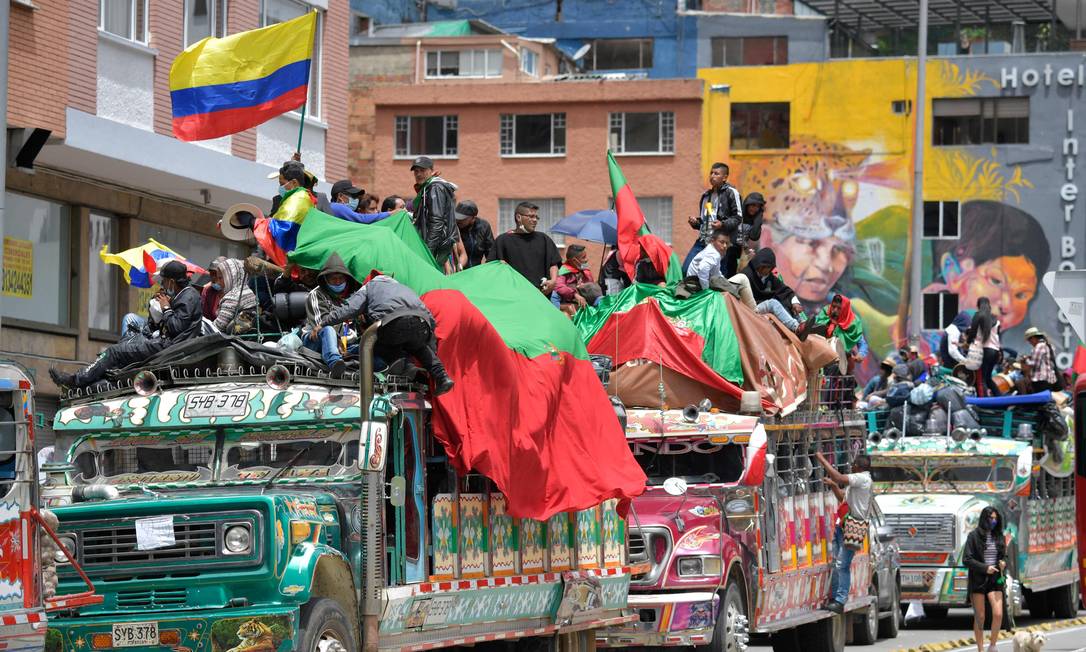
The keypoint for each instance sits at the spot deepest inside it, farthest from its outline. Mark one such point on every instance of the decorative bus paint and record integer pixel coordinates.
(439, 563)
(25, 595)
(763, 535)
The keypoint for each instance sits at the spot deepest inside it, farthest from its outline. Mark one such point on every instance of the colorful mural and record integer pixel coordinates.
(839, 198)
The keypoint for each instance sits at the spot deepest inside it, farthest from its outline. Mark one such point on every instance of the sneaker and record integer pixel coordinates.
(337, 368)
(836, 607)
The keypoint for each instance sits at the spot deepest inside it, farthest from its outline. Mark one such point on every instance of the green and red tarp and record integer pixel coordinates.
(527, 411)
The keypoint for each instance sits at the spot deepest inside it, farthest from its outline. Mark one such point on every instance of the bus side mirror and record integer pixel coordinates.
(372, 446)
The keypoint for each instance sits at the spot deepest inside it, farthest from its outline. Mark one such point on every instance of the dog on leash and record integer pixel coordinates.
(1028, 641)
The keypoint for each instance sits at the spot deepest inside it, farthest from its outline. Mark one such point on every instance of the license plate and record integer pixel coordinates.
(913, 578)
(220, 404)
(135, 634)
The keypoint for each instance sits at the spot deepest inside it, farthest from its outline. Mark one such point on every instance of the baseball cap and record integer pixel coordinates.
(345, 186)
(424, 162)
(466, 210)
(174, 270)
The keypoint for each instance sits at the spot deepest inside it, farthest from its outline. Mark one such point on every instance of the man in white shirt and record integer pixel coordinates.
(706, 266)
(858, 490)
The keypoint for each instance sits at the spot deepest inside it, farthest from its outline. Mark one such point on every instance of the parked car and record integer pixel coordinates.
(881, 618)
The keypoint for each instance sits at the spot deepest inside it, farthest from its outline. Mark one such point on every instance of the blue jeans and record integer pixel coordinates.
(777, 309)
(131, 325)
(327, 344)
(694, 251)
(841, 574)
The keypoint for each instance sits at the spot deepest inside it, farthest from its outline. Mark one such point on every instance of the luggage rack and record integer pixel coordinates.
(175, 376)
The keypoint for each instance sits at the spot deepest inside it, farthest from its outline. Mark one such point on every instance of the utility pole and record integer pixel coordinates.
(916, 259)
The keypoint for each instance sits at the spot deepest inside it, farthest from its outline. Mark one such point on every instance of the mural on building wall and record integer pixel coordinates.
(838, 220)
(839, 199)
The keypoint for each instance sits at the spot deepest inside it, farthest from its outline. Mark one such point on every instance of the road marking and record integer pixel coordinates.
(1059, 627)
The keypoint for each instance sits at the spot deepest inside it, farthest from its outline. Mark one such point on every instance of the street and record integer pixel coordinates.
(959, 624)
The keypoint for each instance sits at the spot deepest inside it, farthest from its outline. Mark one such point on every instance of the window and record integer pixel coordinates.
(124, 18)
(940, 309)
(941, 220)
(901, 107)
(550, 212)
(37, 260)
(529, 62)
(643, 133)
(658, 214)
(750, 51)
(204, 18)
(102, 279)
(433, 135)
(463, 63)
(533, 134)
(978, 121)
(278, 11)
(621, 53)
(760, 125)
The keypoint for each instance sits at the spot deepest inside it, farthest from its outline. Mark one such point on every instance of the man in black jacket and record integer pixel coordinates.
(476, 236)
(744, 234)
(434, 210)
(181, 320)
(770, 293)
(407, 325)
(720, 202)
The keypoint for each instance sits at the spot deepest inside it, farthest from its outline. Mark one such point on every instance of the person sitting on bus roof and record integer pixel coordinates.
(334, 285)
(771, 295)
(407, 325)
(706, 266)
(234, 306)
(181, 320)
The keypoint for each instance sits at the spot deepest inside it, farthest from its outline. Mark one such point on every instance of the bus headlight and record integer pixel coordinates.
(238, 540)
(69, 544)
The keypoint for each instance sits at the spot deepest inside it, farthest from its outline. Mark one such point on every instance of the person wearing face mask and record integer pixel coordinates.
(986, 558)
(234, 310)
(334, 285)
(181, 320)
(345, 193)
(573, 274)
(771, 295)
(530, 252)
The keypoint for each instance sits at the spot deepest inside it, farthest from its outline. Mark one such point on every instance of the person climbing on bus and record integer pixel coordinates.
(858, 489)
(407, 325)
(181, 320)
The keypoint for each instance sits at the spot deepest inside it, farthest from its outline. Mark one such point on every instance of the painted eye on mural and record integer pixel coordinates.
(849, 189)
(803, 182)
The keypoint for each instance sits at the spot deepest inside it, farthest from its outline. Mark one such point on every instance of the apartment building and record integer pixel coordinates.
(93, 163)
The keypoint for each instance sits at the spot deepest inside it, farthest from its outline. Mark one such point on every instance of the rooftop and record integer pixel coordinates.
(874, 14)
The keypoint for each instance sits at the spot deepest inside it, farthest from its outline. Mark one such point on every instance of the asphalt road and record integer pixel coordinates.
(959, 624)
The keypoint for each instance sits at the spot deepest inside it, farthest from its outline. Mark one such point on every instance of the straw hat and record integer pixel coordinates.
(1033, 331)
(234, 226)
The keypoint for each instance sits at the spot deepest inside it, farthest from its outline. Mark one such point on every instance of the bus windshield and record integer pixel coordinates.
(693, 461)
(144, 459)
(943, 475)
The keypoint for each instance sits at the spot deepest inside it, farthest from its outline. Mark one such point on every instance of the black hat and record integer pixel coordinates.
(424, 162)
(174, 270)
(466, 210)
(345, 186)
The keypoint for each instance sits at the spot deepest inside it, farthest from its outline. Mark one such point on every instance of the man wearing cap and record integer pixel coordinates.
(1041, 363)
(476, 237)
(345, 192)
(181, 320)
(433, 210)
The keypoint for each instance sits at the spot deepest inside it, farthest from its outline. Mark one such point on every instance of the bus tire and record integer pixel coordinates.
(826, 635)
(865, 626)
(326, 627)
(728, 636)
(1063, 600)
(891, 623)
(1039, 604)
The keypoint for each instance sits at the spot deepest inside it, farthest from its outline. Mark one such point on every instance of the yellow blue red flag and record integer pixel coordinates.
(141, 263)
(220, 86)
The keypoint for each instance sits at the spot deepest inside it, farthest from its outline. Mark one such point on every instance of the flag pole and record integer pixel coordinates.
(308, 73)
(301, 125)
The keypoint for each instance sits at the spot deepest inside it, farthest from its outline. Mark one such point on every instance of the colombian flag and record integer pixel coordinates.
(221, 86)
(141, 263)
(284, 224)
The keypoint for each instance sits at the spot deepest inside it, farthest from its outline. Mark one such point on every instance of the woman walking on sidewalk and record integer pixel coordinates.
(985, 556)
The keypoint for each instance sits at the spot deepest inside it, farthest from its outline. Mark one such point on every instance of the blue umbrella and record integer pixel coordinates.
(592, 225)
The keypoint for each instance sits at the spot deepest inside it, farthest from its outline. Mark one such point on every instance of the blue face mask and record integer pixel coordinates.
(353, 203)
(339, 287)
(217, 287)
(992, 522)
(283, 190)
